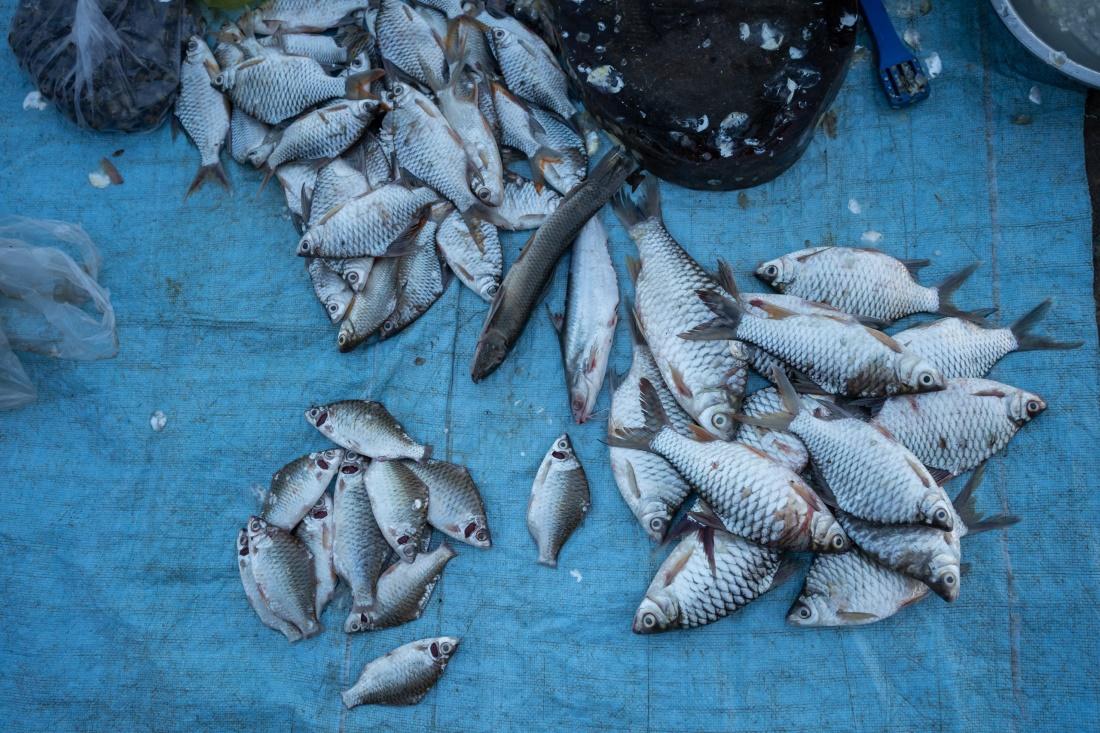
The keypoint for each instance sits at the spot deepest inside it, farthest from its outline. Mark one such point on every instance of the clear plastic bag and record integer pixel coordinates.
(44, 300)
(107, 64)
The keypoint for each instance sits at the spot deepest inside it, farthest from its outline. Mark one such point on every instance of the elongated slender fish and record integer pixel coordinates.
(404, 589)
(706, 378)
(323, 133)
(283, 569)
(367, 428)
(477, 262)
(252, 592)
(248, 139)
(961, 348)
(960, 427)
(781, 445)
(867, 471)
(839, 355)
(400, 503)
(528, 276)
(686, 592)
(755, 497)
(420, 282)
(454, 503)
(650, 486)
(559, 500)
(587, 327)
(525, 204)
(381, 223)
(531, 71)
(371, 307)
(359, 551)
(297, 486)
(863, 282)
(318, 533)
(203, 111)
(306, 16)
(407, 41)
(403, 676)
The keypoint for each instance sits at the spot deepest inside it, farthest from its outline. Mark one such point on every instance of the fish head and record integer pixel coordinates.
(317, 416)
(406, 539)
(327, 461)
(945, 576)
(1022, 406)
(365, 109)
(718, 421)
(476, 531)
(310, 244)
(488, 285)
(318, 514)
(655, 519)
(259, 154)
(811, 609)
(242, 544)
(778, 273)
(914, 373)
(442, 648)
(583, 394)
(360, 63)
(399, 93)
(826, 534)
(478, 187)
(562, 450)
(225, 79)
(500, 39)
(655, 614)
(358, 621)
(489, 353)
(937, 510)
(229, 33)
(258, 531)
(197, 50)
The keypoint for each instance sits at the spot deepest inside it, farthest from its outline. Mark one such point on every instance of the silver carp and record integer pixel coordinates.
(404, 589)
(304, 16)
(367, 428)
(782, 446)
(248, 139)
(559, 500)
(370, 308)
(420, 282)
(359, 551)
(454, 503)
(297, 486)
(323, 133)
(478, 263)
(531, 71)
(525, 204)
(252, 592)
(851, 589)
(382, 223)
(335, 294)
(203, 111)
(407, 41)
(403, 676)
(400, 503)
(283, 569)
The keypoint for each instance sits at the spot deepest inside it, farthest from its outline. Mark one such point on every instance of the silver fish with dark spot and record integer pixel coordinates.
(403, 676)
(559, 500)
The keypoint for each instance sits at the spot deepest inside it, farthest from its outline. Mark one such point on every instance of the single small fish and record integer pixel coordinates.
(248, 139)
(303, 16)
(370, 308)
(863, 282)
(421, 281)
(335, 294)
(525, 204)
(203, 111)
(318, 533)
(400, 501)
(865, 469)
(755, 497)
(359, 551)
(572, 168)
(297, 486)
(459, 104)
(367, 428)
(587, 327)
(650, 486)
(962, 426)
(255, 599)
(322, 49)
(454, 503)
(283, 569)
(518, 128)
(839, 355)
(961, 348)
(689, 590)
(273, 88)
(337, 183)
(527, 278)
(407, 41)
(706, 378)
(782, 446)
(531, 71)
(559, 500)
(381, 223)
(404, 589)
(403, 676)
(479, 265)
(851, 589)
(323, 133)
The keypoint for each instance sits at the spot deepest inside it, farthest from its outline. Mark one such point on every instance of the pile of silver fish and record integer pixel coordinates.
(846, 456)
(373, 532)
(389, 126)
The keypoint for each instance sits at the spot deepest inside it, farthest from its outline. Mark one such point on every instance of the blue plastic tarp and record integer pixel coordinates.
(121, 607)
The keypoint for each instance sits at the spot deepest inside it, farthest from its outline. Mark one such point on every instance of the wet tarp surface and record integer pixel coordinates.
(122, 609)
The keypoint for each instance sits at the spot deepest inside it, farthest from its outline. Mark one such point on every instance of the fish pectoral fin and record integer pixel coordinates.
(856, 616)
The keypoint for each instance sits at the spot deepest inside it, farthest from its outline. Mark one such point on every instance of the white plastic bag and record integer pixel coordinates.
(44, 299)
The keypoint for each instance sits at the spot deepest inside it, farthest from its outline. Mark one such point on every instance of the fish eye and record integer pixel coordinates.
(941, 515)
(254, 525)
(563, 444)
(193, 45)
(353, 277)
(771, 270)
(482, 535)
(500, 34)
(804, 612)
(492, 289)
(949, 579)
(719, 420)
(446, 647)
(219, 79)
(387, 326)
(332, 307)
(341, 339)
(838, 542)
(398, 90)
(483, 193)
(1032, 407)
(926, 379)
(649, 620)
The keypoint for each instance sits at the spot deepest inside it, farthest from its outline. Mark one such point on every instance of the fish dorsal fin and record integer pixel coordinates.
(808, 255)
(856, 615)
(940, 475)
(885, 340)
(331, 212)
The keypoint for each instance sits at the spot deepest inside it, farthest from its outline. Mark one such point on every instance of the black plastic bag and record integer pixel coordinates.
(107, 64)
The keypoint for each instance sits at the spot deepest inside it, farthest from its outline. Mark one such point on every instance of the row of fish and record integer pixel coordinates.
(848, 462)
(389, 494)
(390, 126)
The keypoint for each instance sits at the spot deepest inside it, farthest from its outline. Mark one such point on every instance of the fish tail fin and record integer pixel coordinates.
(788, 567)
(543, 157)
(357, 86)
(780, 420)
(651, 198)
(629, 213)
(728, 314)
(454, 46)
(966, 507)
(655, 420)
(946, 291)
(214, 171)
(425, 456)
(1027, 341)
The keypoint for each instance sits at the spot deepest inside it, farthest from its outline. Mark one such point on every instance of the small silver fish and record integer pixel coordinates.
(962, 426)
(400, 501)
(571, 169)
(283, 569)
(961, 348)
(559, 500)
(203, 111)
(404, 589)
(370, 308)
(454, 503)
(323, 133)
(420, 282)
(531, 71)
(359, 551)
(525, 204)
(330, 289)
(479, 265)
(304, 16)
(255, 599)
(322, 49)
(318, 533)
(450, 8)
(863, 282)
(403, 676)
(587, 327)
(519, 129)
(367, 428)
(297, 486)
(458, 102)
(248, 139)
(355, 271)
(407, 41)
(851, 589)
(378, 224)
